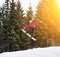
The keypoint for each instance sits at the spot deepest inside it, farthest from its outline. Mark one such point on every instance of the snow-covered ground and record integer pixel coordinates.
(36, 52)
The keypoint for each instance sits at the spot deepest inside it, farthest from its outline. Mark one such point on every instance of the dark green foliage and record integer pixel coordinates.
(4, 27)
(21, 20)
(12, 20)
(29, 17)
(9, 34)
(19, 15)
(14, 45)
(29, 14)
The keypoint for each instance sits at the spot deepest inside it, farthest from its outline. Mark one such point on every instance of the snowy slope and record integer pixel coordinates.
(36, 52)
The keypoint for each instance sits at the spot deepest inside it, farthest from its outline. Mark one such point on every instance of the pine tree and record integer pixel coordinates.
(43, 31)
(48, 12)
(13, 25)
(29, 14)
(0, 12)
(20, 14)
(29, 18)
(20, 21)
(5, 28)
(1, 40)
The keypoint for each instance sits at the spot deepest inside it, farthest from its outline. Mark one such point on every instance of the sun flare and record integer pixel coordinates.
(58, 1)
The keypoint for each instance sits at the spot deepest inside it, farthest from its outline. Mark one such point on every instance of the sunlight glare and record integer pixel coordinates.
(58, 1)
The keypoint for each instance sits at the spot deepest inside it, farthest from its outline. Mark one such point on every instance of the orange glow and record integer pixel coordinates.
(49, 12)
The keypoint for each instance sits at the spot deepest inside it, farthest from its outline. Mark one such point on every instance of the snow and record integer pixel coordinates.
(36, 52)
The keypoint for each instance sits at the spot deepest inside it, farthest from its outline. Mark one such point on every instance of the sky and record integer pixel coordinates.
(26, 3)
